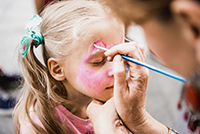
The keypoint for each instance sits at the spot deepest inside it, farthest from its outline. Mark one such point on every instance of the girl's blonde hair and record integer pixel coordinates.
(63, 23)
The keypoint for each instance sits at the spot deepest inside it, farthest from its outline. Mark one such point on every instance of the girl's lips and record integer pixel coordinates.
(111, 87)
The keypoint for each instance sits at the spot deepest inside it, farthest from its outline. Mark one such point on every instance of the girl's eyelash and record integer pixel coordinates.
(99, 63)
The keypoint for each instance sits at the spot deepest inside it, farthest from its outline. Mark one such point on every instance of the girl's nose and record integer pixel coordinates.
(110, 71)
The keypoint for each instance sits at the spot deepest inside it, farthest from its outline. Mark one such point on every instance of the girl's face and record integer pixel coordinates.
(87, 69)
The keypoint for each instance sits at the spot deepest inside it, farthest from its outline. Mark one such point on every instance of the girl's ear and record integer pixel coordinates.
(55, 69)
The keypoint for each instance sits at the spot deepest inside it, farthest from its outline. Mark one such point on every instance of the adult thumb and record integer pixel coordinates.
(119, 71)
(93, 107)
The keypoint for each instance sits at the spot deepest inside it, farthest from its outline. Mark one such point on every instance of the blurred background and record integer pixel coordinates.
(163, 92)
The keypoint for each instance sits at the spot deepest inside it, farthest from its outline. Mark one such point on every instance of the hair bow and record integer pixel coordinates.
(34, 38)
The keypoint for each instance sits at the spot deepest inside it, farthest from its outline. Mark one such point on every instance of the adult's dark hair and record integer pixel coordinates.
(141, 10)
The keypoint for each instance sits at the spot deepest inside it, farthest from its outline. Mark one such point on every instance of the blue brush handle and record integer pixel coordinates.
(153, 68)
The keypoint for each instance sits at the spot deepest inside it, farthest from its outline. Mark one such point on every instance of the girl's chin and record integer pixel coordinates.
(105, 95)
(103, 100)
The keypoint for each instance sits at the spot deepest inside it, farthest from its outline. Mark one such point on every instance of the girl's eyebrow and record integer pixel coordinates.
(97, 53)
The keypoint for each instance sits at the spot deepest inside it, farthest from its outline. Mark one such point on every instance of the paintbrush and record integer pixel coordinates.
(145, 65)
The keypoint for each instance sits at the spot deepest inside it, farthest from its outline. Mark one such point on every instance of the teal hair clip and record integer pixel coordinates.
(34, 38)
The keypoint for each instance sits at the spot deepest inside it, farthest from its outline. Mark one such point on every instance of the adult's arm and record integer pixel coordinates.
(130, 92)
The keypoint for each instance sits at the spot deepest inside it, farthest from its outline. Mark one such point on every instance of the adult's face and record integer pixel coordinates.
(175, 41)
(171, 43)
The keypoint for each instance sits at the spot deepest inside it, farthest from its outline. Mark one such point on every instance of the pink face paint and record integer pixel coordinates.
(102, 44)
(92, 80)
(99, 43)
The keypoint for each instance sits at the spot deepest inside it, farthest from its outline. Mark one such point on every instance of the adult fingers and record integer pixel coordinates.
(129, 49)
(142, 48)
(93, 107)
(119, 71)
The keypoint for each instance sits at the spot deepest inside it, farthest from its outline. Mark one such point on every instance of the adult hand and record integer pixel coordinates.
(130, 92)
(104, 118)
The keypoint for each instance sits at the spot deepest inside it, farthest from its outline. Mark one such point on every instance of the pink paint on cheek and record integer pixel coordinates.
(91, 79)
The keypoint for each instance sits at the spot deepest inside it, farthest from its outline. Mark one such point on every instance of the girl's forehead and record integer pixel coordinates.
(102, 43)
(103, 33)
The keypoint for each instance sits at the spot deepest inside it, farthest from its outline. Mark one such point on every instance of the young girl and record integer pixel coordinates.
(56, 93)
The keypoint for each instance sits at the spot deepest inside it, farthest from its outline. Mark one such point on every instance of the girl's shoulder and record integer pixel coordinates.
(70, 121)
(76, 124)
(25, 125)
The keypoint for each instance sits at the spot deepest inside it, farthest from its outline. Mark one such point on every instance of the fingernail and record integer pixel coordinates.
(117, 58)
(109, 58)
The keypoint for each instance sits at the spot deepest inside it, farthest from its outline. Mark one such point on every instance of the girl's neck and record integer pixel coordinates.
(81, 99)
(82, 106)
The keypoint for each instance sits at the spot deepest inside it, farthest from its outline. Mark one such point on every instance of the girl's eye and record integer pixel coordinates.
(99, 63)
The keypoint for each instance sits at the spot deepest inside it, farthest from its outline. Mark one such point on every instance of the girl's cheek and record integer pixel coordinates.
(92, 81)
